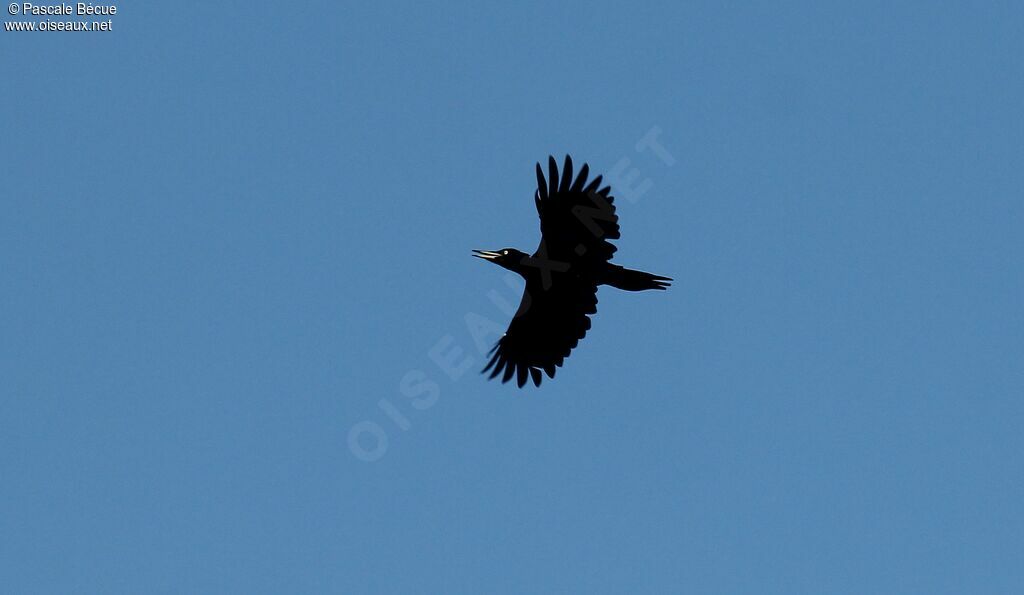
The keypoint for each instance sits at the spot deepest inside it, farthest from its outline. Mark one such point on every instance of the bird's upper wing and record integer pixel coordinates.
(550, 321)
(576, 218)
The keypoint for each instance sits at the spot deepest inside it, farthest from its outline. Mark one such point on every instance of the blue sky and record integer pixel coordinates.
(228, 234)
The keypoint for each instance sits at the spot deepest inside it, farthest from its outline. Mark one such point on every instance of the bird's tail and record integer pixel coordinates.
(631, 280)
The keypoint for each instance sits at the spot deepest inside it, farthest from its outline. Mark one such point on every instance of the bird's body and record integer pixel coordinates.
(577, 221)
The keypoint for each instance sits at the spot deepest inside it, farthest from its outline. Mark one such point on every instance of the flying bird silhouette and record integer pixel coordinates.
(577, 220)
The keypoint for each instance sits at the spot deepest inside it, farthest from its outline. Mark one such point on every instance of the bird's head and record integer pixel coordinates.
(510, 258)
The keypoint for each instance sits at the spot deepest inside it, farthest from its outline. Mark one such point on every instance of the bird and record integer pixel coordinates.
(577, 222)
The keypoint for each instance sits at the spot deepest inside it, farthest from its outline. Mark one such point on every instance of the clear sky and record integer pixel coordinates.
(236, 292)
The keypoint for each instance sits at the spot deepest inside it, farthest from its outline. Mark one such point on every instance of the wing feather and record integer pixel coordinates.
(580, 179)
(566, 175)
(510, 369)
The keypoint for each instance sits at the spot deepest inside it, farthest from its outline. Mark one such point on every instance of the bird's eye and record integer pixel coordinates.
(505, 252)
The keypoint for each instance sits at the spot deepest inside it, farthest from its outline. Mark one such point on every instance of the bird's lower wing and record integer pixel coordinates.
(549, 323)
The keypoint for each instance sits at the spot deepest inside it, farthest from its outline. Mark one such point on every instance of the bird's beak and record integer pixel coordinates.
(486, 254)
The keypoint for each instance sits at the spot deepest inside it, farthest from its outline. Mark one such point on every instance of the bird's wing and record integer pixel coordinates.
(549, 323)
(577, 218)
